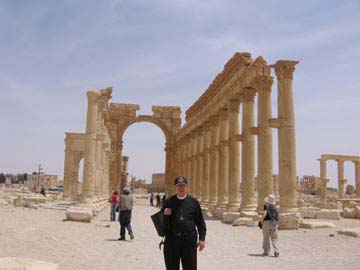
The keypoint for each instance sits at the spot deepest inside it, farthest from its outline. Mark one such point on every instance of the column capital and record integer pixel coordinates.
(214, 120)
(285, 69)
(206, 126)
(263, 83)
(234, 105)
(93, 96)
(249, 94)
(224, 114)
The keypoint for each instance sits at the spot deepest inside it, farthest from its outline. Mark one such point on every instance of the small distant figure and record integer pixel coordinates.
(163, 200)
(152, 199)
(126, 203)
(270, 220)
(42, 191)
(114, 201)
(158, 199)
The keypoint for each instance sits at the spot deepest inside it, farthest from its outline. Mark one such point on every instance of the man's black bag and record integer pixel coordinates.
(159, 223)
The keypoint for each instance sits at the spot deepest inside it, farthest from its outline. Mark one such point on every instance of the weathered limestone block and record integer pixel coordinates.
(358, 211)
(309, 212)
(325, 205)
(218, 212)
(353, 204)
(241, 221)
(289, 221)
(79, 214)
(35, 199)
(354, 232)
(300, 203)
(328, 214)
(350, 212)
(350, 190)
(230, 217)
(316, 225)
(14, 263)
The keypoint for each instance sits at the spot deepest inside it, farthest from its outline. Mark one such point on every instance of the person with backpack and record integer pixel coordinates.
(269, 224)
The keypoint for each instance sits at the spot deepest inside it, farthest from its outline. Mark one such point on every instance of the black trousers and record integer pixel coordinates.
(125, 220)
(184, 249)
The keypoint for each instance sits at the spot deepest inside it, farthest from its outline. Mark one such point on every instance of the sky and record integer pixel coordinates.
(167, 53)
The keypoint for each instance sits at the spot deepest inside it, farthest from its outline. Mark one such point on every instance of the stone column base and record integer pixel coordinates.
(218, 212)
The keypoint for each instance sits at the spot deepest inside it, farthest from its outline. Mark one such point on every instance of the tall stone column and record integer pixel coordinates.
(124, 171)
(286, 136)
(357, 178)
(223, 159)
(264, 132)
(206, 165)
(323, 179)
(214, 161)
(169, 186)
(183, 158)
(248, 153)
(99, 159)
(341, 180)
(88, 186)
(234, 156)
(199, 162)
(67, 170)
(188, 159)
(193, 165)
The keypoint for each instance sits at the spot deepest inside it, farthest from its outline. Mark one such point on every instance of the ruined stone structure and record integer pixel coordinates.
(340, 159)
(101, 146)
(206, 149)
(309, 184)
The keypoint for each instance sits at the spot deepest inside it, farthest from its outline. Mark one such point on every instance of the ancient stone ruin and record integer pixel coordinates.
(206, 149)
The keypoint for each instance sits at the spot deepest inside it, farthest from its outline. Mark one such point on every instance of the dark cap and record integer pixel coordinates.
(180, 181)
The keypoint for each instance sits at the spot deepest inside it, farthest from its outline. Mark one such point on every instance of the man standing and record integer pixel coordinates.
(126, 205)
(184, 216)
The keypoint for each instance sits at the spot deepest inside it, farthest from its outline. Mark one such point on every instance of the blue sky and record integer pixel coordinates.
(167, 53)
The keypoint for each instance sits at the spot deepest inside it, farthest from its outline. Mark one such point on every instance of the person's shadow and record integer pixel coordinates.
(257, 255)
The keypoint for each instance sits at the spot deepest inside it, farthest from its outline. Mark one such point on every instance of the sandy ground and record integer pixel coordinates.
(42, 234)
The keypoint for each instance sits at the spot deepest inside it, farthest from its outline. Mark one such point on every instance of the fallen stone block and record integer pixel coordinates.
(308, 212)
(14, 263)
(289, 221)
(354, 232)
(36, 199)
(358, 211)
(241, 221)
(229, 217)
(328, 214)
(327, 205)
(218, 212)
(350, 213)
(79, 214)
(316, 225)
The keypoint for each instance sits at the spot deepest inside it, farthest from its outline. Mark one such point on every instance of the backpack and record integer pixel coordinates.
(273, 213)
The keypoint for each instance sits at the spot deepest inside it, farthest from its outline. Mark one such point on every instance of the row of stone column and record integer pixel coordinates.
(210, 155)
(341, 180)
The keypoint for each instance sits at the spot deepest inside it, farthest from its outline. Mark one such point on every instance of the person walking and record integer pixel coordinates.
(114, 201)
(270, 219)
(152, 199)
(126, 203)
(186, 225)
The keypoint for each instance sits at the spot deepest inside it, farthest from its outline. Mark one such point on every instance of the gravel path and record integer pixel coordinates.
(41, 234)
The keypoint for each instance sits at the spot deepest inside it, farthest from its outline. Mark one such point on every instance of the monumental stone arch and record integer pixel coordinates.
(101, 145)
(210, 149)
